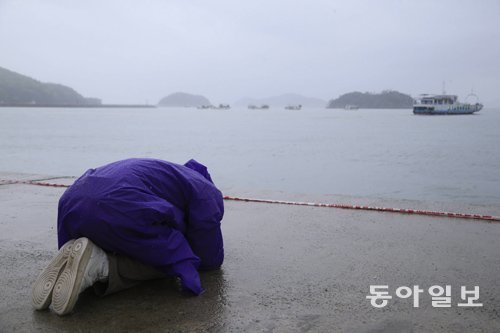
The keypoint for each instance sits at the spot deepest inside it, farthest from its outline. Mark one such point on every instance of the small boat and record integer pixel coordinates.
(213, 107)
(351, 107)
(223, 107)
(444, 105)
(293, 107)
(255, 107)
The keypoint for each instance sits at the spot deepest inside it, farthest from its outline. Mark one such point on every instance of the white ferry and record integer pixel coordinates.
(443, 104)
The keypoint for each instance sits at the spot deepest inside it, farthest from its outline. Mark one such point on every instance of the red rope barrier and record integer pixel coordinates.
(489, 218)
(31, 182)
(378, 209)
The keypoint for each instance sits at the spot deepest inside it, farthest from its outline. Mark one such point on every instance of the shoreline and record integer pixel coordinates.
(94, 106)
(342, 201)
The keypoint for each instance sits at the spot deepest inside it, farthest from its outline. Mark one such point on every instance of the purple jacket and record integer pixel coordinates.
(163, 214)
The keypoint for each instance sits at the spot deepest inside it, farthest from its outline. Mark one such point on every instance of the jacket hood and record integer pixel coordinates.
(198, 167)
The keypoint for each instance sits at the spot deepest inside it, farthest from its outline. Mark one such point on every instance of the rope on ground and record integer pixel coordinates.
(489, 218)
(31, 182)
(378, 209)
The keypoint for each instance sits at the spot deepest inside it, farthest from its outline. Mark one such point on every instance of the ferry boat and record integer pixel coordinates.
(351, 107)
(443, 105)
(293, 107)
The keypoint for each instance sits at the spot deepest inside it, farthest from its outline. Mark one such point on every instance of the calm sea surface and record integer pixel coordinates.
(368, 153)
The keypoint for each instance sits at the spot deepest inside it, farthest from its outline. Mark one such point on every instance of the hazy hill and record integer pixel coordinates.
(283, 100)
(385, 100)
(17, 89)
(180, 99)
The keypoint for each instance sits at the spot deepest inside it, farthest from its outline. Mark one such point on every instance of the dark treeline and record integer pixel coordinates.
(17, 89)
(385, 100)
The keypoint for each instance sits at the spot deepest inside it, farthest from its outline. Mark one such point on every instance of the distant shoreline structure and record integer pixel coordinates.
(79, 106)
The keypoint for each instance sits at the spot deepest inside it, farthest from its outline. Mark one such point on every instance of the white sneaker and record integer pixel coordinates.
(87, 264)
(41, 294)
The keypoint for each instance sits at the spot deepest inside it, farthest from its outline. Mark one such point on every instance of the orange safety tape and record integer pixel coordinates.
(489, 218)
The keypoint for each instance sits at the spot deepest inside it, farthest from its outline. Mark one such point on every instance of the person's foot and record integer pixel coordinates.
(41, 294)
(87, 264)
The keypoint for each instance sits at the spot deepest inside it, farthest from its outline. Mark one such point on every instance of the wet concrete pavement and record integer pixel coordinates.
(287, 269)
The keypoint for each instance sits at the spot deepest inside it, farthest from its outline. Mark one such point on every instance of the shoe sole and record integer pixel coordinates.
(68, 284)
(41, 294)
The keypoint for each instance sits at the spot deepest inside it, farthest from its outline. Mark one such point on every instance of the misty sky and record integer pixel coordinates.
(137, 51)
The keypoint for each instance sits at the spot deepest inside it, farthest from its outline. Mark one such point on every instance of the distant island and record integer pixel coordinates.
(385, 100)
(181, 99)
(20, 90)
(283, 101)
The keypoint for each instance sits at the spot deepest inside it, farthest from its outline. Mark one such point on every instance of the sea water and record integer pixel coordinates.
(369, 153)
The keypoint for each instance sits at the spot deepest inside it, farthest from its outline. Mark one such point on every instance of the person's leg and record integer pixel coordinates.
(125, 272)
(41, 294)
(88, 265)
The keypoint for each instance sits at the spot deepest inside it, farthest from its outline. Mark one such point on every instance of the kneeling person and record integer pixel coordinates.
(129, 221)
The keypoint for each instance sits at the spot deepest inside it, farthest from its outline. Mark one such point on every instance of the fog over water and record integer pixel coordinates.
(139, 51)
(389, 154)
